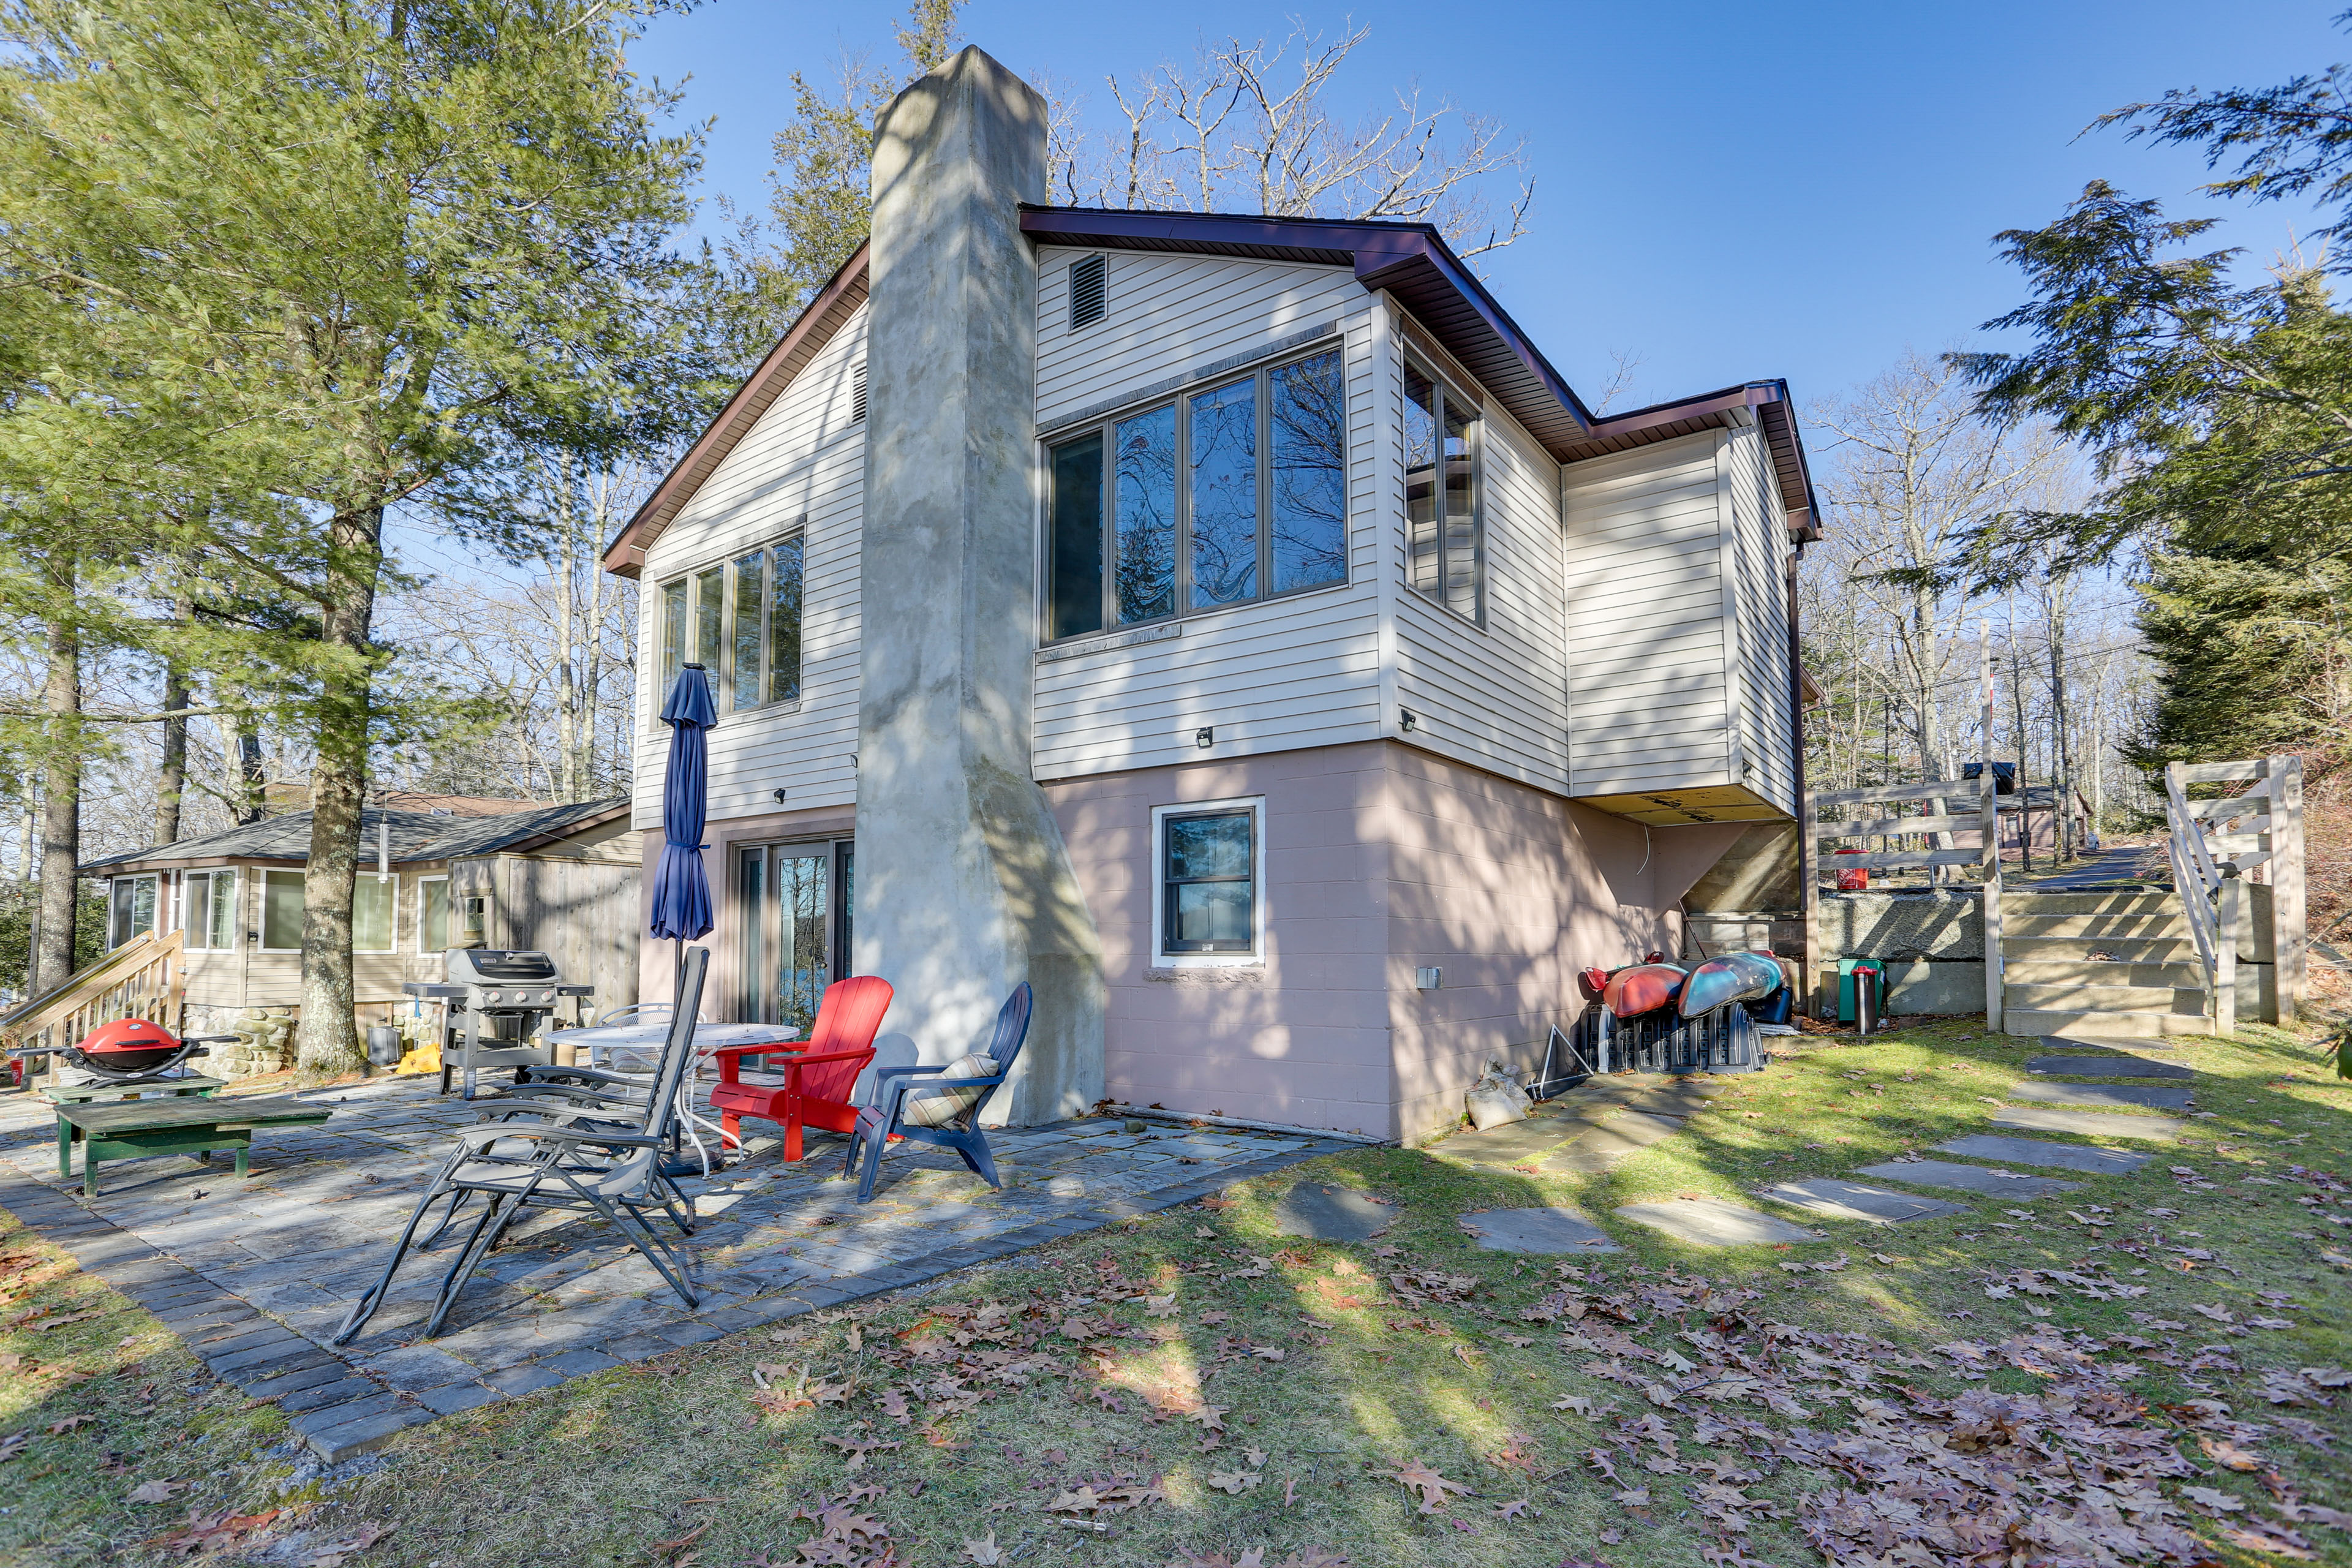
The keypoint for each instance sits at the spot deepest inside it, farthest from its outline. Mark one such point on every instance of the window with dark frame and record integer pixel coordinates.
(1447, 528)
(1208, 878)
(1226, 494)
(741, 622)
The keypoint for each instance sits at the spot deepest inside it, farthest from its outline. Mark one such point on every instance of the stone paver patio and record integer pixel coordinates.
(258, 1275)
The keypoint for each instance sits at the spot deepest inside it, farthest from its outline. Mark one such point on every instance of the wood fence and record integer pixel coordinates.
(1937, 815)
(2213, 845)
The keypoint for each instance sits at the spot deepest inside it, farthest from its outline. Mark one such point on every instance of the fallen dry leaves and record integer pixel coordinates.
(1431, 1488)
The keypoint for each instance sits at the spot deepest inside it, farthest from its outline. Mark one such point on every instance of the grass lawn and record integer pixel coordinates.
(2112, 1376)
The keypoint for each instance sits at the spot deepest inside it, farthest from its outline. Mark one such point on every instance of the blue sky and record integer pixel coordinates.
(1800, 190)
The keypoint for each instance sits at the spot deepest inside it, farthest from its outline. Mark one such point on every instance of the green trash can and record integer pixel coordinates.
(1849, 971)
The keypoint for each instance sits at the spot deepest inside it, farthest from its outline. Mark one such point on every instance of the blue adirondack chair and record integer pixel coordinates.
(878, 1122)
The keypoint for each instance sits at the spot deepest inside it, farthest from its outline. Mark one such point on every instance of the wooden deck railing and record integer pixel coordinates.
(2213, 845)
(1937, 799)
(146, 977)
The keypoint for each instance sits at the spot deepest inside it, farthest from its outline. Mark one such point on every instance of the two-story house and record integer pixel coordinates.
(1232, 624)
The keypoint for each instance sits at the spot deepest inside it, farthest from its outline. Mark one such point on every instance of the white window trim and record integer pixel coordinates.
(261, 906)
(156, 909)
(1260, 900)
(195, 924)
(448, 913)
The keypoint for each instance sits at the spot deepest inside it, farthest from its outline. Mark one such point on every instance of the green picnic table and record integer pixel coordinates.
(133, 1130)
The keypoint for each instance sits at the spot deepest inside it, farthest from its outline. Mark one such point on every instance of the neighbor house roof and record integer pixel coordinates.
(416, 836)
(1409, 260)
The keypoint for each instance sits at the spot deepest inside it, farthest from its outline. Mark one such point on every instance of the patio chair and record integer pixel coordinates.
(601, 1158)
(942, 1109)
(817, 1077)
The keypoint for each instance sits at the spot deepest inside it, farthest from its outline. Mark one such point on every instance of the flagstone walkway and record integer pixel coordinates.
(1601, 1122)
(258, 1275)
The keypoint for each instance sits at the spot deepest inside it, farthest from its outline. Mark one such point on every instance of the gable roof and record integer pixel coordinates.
(1410, 260)
(417, 836)
(825, 315)
(1775, 416)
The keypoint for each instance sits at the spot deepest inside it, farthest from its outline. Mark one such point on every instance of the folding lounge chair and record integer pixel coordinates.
(595, 1158)
(817, 1077)
(943, 1110)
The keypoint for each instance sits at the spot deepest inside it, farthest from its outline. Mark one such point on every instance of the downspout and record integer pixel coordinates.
(1805, 891)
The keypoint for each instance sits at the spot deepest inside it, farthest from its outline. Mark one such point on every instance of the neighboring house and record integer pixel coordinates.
(558, 878)
(1371, 683)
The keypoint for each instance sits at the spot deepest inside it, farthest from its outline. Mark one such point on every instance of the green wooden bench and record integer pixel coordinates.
(133, 1130)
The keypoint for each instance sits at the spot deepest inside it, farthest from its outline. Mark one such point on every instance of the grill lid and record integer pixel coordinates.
(493, 966)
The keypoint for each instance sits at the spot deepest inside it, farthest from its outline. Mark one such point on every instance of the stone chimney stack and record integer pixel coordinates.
(965, 887)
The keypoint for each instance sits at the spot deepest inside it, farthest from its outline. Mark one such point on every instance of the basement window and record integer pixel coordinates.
(1211, 859)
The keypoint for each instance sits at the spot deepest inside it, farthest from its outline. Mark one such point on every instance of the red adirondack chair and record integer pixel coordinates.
(818, 1074)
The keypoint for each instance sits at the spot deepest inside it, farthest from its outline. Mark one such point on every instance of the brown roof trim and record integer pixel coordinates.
(557, 834)
(825, 315)
(1775, 415)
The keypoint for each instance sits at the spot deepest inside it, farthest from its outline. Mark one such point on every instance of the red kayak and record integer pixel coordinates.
(1644, 988)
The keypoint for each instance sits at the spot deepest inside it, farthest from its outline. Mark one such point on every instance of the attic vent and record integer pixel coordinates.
(1086, 292)
(857, 392)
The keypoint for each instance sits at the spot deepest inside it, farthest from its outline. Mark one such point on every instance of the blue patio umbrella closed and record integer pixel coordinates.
(681, 888)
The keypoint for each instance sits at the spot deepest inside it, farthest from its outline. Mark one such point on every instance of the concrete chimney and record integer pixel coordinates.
(965, 887)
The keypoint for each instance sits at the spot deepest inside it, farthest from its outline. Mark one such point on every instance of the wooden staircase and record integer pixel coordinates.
(146, 977)
(2119, 961)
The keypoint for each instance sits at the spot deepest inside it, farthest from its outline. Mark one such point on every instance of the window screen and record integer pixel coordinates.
(372, 904)
(281, 910)
(1447, 535)
(433, 915)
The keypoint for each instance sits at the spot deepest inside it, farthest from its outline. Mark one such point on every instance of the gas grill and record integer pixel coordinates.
(497, 999)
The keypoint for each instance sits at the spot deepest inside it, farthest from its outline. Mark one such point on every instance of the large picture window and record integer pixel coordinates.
(1234, 492)
(741, 620)
(208, 911)
(1448, 540)
(1211, 865)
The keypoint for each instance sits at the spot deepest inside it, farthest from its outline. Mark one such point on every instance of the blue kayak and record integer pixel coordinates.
(1734, 977)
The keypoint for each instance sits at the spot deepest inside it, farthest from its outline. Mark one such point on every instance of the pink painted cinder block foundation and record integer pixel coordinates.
(1381, 859)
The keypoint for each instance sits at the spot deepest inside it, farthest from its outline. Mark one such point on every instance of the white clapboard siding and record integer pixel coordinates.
(1282, 675)
(1165, 316)
(1649, 649)
(805, 457)
(1494, 696)
(1767, 722)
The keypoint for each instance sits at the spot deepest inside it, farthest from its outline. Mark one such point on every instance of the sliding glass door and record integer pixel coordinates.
(796, 905)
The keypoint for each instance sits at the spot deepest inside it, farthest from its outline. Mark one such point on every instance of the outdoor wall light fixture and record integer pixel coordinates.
(779, 797)
(1408, 721)
(1206, 736)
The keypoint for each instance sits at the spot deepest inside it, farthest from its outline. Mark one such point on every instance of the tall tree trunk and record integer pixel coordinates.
(567, 687)
(2017, 704)
(172, 777)
(60, 791)
(327, 1041)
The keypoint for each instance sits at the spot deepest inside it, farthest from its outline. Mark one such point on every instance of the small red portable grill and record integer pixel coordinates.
(132, 1050)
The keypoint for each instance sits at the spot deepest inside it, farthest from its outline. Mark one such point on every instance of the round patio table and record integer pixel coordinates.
(633, 1048)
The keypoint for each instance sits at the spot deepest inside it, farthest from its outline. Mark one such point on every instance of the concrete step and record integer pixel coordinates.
(2183, 999)
(2132, 949)
(2100, 1025)
(2074, 970)
(2154, 923)
(2116, 903)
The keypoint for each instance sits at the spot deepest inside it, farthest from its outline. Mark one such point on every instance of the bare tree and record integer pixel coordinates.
(1911, 467)
(1251, 127)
